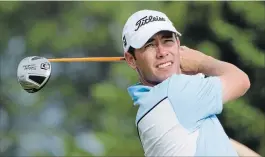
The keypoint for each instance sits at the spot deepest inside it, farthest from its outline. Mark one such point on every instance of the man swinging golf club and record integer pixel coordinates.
(177, 108)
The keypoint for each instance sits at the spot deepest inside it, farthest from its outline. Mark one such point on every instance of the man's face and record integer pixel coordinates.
(159, 58)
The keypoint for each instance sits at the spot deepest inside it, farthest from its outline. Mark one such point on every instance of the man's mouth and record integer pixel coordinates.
(163, 65)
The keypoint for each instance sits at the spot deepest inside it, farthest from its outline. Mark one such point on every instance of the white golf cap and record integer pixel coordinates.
(142, 25)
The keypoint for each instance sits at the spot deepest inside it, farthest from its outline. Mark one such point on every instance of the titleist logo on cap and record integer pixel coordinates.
(147, 19)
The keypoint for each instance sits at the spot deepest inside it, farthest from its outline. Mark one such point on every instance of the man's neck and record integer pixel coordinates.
(148, 83)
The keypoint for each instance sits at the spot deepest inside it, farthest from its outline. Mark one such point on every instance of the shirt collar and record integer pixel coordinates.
(137, 91)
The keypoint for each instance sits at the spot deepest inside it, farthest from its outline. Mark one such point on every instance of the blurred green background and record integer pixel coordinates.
(85, 109)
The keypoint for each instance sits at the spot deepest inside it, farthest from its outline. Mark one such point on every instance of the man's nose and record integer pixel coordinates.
(161, 51)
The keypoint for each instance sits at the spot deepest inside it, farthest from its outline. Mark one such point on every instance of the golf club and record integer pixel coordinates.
(88, 59)
(34, 72)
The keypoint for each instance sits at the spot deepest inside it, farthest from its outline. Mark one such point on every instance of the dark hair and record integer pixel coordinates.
(132, 51)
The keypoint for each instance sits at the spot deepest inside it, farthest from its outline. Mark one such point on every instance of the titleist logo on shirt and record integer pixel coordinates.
(148, 19)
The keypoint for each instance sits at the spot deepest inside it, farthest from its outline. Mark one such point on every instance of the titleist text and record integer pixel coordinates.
(146, 20)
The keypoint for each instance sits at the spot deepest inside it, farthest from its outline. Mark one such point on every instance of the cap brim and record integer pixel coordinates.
(144, 34)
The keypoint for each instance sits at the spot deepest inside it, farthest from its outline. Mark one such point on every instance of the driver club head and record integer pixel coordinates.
(33, 73)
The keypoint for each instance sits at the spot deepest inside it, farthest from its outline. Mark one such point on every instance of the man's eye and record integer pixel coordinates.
(148, 45)
(169, 40)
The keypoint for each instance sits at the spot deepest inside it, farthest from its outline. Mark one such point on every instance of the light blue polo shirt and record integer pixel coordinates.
(195, 101)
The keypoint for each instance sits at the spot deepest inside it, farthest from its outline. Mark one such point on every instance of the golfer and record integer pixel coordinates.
(178, 108)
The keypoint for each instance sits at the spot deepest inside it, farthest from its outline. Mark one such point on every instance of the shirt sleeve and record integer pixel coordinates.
(194, 97)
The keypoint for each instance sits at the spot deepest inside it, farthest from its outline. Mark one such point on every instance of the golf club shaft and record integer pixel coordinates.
(88, 59)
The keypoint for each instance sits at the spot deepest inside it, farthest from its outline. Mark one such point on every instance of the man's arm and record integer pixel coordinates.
(234, 81)
(243, 150)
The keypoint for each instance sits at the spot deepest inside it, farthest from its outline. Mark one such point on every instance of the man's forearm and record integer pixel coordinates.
(214, 67)
(243, 150)
(193, 61)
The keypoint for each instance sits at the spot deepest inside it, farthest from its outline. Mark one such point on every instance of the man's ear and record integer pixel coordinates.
(130, 60)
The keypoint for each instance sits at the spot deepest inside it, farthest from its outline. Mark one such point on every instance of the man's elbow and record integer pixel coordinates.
(245, 83)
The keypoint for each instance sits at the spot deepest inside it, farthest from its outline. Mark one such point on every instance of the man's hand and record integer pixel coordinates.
(190, 60)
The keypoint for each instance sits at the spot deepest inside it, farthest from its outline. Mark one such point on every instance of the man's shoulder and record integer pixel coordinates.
(142, 94)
